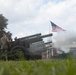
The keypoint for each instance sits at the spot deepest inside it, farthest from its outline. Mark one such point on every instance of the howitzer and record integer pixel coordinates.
(26, 46)
(34, 38)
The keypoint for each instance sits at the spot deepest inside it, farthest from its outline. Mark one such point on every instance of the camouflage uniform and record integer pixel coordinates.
(4, 42)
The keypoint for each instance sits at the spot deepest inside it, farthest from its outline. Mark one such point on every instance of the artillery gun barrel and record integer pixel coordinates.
(40, 44)
(34, 38)
(30, 36)
(38, 38)
(43, 36)
(48, 42)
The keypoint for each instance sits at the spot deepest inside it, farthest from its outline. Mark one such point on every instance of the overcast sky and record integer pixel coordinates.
(28, 17)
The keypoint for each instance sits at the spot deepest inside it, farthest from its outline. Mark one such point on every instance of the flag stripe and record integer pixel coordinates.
(56, 28)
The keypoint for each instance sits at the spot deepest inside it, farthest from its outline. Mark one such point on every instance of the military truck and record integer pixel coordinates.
(29, 47)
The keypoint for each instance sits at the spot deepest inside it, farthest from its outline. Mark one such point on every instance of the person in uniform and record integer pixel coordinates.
(4, 42)
(9, 40)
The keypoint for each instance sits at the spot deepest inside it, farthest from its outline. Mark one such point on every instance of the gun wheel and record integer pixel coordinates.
(19, 54)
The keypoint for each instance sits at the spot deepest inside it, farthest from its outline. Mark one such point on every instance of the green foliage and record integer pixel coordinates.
(3, 24)
(38, 67)
(63, 56)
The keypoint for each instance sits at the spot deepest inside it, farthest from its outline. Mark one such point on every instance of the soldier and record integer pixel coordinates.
(9, 40)
(4, 42)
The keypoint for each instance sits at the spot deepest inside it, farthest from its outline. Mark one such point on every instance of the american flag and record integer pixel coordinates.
(56, 28)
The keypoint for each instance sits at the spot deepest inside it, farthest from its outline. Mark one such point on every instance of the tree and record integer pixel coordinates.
(3, 24)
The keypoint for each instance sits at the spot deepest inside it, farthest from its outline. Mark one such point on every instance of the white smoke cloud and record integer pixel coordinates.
(65, 39)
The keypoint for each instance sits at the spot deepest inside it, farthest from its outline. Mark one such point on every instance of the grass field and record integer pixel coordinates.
(38, 67)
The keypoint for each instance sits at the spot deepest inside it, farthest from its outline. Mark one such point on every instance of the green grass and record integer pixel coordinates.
(39, 67)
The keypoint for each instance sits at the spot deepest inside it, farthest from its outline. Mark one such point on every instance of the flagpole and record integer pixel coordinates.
(49, 33)
(52, 53)
(49, 27)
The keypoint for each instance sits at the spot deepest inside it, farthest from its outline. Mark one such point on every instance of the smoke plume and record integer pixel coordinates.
(65, 39)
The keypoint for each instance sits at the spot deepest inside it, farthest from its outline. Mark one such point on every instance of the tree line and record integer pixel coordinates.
(3, 25)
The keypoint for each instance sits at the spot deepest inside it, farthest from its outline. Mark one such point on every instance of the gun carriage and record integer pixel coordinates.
(28, 47)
